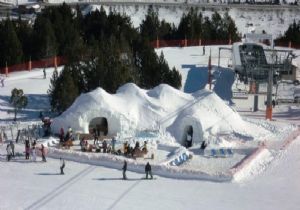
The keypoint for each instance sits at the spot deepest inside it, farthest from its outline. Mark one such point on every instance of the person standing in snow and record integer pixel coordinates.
(2, 81)
(61, 135)
(44, 72)
(33, 151)
(62, 165)
(9, 153)
(188, 140)
(124, 169)
(12, 148)
(27, 149)
(148, 170)
(113, 143)
(43, 153)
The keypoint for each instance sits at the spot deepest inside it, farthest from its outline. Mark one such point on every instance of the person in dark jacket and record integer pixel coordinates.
(12, 148)
(148, 170)
(124, 169)
(62, 165)
(27, 149)
(43, 153)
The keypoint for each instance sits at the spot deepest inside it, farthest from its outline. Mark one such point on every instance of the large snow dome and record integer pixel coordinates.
(162, 108)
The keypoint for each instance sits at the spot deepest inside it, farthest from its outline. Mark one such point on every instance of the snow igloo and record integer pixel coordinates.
(162, 108)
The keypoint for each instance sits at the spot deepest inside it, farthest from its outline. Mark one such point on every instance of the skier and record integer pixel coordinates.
(33, 151)
(148, 170)
(62, 165)
(203, 50)
(12, 148)
(44, 71)
(124, 169)
(9, 153)
(43, 153)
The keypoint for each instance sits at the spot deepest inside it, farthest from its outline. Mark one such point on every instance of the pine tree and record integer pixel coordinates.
(230, 28)
(292, 34)
(24, 33)
(149, 27)
(44, 38)
(65, 91)
(10, 47)
(18, 101)
(218, 31)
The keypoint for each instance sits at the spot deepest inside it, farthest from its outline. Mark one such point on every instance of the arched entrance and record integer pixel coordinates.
(188, 136)
(99, 124)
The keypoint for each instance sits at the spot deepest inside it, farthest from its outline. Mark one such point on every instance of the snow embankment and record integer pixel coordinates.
(252, 165)
(138, 165)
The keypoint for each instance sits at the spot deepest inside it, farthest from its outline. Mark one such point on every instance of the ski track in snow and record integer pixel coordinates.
(123, 194)
(63, 187)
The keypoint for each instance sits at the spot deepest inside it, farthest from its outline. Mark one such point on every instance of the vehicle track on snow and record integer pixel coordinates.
(58, 190)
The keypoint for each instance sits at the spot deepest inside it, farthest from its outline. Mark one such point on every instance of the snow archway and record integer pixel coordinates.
(99, 125)
(187, 124)
(109, 123)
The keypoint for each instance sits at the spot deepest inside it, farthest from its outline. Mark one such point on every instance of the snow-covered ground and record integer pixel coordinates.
(261, 177)
(37, 185)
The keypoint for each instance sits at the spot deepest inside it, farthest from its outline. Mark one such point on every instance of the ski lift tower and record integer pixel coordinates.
(256, 38)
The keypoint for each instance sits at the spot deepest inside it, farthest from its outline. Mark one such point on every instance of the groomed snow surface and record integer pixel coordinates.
(260, 174)
(37, 185)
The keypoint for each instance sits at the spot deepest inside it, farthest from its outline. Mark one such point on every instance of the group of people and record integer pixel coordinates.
(148, 170)
(130, 151)
(98, 146)
(67, 137)
(33, 151)
(29, 150)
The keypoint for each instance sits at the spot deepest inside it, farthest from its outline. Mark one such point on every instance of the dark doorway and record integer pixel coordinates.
(188, 136)
(99, 125)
